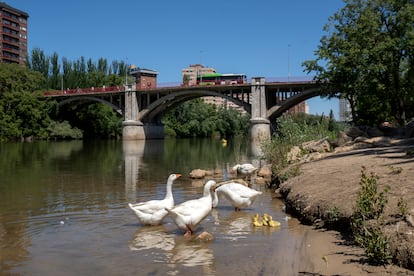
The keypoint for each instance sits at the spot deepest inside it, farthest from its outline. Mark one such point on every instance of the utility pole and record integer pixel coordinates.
(288, 62)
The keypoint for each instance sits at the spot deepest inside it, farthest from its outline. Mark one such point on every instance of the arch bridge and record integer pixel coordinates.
(143, 109)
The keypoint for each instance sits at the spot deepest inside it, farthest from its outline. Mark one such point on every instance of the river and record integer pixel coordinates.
(64, 211)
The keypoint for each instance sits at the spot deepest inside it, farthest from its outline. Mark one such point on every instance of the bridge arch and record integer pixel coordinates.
(277, 110)
(158, 108)
(91, 99)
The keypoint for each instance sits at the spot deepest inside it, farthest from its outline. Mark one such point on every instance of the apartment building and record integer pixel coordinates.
(344, 110)
(13, 39)
(190, 74)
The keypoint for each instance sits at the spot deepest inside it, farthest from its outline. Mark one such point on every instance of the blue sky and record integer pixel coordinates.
(266, 38)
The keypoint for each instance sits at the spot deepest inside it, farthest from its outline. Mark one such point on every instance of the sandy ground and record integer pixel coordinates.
(333, 182)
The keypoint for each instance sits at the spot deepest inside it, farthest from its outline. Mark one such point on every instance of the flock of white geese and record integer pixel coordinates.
(188, 215)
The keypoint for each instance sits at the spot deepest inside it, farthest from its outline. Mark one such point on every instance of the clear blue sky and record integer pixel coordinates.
(266, 38)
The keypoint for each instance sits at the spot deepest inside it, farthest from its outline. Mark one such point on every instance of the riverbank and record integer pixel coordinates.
(331, 183)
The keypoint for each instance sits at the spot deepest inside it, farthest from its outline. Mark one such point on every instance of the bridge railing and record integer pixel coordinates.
(109, 89)
(121, 88)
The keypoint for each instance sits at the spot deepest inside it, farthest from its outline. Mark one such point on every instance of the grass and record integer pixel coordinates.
(293, 130)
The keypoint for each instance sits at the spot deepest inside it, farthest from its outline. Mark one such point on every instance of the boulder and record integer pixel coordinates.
(198, 174)
(265, 171)
(321, 145)
(341, 139)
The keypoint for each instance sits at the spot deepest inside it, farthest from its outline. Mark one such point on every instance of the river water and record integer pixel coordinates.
(64, 211)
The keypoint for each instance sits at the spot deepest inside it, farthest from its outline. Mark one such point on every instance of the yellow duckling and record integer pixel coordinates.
(224, 142)
(257, 223)
(256, 217)
(267, 217)
(273, 223)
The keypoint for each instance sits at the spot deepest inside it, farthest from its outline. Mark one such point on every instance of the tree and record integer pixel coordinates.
(199, 119)
(367, 56)
(23, 112)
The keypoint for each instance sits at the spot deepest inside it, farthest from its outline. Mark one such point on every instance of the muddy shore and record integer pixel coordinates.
(332, 183)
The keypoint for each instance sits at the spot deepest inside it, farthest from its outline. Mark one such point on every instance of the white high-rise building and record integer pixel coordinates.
(344, 110)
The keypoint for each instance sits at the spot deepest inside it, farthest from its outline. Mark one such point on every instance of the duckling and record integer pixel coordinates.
(257, 223)
(273, 223)
(256, 217)
(267, 217)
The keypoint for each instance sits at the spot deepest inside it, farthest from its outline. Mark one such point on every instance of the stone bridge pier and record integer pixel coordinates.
(259, 124)
(132, 127)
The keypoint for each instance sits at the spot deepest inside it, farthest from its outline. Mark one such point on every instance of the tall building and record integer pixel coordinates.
(344, 110)
(13, 39)
(190, 74)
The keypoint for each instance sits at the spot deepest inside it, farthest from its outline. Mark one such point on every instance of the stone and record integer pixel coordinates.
(198, 173)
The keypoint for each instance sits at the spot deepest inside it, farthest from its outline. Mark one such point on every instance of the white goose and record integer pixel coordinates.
(189, 214)
(246, 169)
(153, 212)
(238, 194)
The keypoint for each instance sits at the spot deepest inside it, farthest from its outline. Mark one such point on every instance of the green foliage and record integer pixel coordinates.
(63, 130)
(16, 78)
(78, 73)
(403, 207)
(198, 119)
(367, 56)
(99, 120)
(332, 215)
(366, 219)
(23, 114)
(293, 130)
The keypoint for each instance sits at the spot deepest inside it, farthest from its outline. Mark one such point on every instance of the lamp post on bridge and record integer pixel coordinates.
(289, 62)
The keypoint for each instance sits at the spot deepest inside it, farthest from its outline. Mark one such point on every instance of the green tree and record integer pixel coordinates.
(23, 112)
(199, 119)
(99, 120)
(367, 56)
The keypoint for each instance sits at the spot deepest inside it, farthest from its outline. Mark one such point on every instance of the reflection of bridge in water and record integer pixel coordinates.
(143, 109)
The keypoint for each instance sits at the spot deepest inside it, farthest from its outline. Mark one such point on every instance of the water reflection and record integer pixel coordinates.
(149, 238)
(133, 154)
(190, 253)
(236, 226)
(176, 250)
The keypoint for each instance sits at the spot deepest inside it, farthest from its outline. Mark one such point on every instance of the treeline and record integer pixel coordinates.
(26, 114)
(81, 73)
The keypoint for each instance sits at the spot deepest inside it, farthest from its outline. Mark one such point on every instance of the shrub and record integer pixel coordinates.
(366, 219)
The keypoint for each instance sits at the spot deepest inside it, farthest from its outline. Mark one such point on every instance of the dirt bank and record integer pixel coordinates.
(332, 183)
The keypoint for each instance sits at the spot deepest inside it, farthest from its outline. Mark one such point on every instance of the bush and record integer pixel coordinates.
(366, 220)
(63, 130)
(293, 130)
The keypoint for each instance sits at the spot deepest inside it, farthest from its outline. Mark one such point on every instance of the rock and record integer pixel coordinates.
(341, 139)
(198, 173)
(204, 237)
(293, 154)
(261, 180)
(354, 132)
(265, 171)
(321, 145)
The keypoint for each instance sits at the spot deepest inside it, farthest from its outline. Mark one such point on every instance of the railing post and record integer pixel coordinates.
(259, 124)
